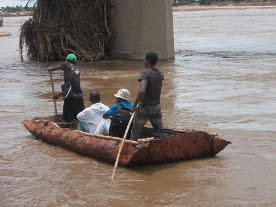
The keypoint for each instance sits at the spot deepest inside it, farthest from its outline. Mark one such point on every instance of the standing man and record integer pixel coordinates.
(71, 90)
(149, 98)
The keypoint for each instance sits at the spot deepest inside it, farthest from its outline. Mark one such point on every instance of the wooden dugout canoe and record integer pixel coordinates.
(184, 145)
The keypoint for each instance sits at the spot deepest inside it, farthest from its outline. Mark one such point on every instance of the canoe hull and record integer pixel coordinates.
(178, 147)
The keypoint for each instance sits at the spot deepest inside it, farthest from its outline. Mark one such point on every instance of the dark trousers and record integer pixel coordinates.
(145, 113)
(71, 108)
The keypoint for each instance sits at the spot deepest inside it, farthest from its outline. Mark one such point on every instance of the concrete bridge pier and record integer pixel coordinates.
(140, 26)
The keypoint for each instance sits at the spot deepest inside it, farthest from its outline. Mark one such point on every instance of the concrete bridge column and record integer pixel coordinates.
(140, 26)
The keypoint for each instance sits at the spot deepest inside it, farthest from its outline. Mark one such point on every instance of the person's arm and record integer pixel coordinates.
(82, 115)
(140, 95)
(56, 97)
(54, 68)
(110, 112)
(105, 116)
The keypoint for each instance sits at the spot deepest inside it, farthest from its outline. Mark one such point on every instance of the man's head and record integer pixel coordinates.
(95, 97)
(151, 59)
(72, 58)
(122, 94)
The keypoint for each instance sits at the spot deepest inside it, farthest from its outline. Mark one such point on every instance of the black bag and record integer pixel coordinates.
(120, 121)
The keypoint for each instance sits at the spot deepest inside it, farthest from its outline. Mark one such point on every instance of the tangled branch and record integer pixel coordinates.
(68, 26)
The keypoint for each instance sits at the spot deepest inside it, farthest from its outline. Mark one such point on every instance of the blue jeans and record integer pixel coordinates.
(83, 127)
(145, 113)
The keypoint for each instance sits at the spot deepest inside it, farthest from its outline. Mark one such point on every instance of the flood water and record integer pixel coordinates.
(223, 80)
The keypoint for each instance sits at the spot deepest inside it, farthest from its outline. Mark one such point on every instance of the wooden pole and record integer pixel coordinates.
(53, 91)
(122, 143)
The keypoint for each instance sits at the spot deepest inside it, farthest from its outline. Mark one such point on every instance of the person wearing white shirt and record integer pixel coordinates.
(90, 117)
(103, 127)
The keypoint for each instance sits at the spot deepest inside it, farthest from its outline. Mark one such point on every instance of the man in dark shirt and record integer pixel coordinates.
(149, 98)
(71, 90)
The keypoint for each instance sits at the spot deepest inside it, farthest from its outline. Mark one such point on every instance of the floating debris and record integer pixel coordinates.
(61, 27)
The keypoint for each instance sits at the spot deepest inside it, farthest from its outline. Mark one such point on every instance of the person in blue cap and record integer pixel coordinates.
(71, 90)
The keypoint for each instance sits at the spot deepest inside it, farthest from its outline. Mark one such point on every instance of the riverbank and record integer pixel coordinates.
(226, 6)
(4, 34)
(212, 7)
(15, 14)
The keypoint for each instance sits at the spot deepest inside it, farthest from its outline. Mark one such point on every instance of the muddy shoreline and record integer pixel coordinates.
(15, 14)
(222, 7)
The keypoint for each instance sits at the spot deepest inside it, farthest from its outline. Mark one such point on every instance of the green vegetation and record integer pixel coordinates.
(16, 9)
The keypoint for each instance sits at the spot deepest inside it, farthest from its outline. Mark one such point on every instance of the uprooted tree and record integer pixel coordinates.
(58, 28)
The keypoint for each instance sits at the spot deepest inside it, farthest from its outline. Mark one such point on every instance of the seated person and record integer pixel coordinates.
(119, 114)
(90, 117)
(103, 127)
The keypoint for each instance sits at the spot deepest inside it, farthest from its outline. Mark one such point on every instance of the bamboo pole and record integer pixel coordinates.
(53, 91)
(122, 143)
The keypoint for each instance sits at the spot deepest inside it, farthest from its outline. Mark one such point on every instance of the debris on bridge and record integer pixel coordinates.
(58, 28)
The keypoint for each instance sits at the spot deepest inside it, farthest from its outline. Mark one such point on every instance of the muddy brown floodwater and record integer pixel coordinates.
(223, 80)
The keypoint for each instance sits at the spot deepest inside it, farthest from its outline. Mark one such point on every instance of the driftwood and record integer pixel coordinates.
(58, 28)
(75, 44)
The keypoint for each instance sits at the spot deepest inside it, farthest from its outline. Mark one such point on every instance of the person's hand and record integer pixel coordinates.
(50, 69)
(134, 109)
(56, 97)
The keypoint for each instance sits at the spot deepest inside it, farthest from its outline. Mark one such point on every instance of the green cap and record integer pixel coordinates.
(72, 57)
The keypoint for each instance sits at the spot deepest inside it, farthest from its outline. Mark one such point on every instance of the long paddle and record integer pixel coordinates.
(53, 90)
(122, 143)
